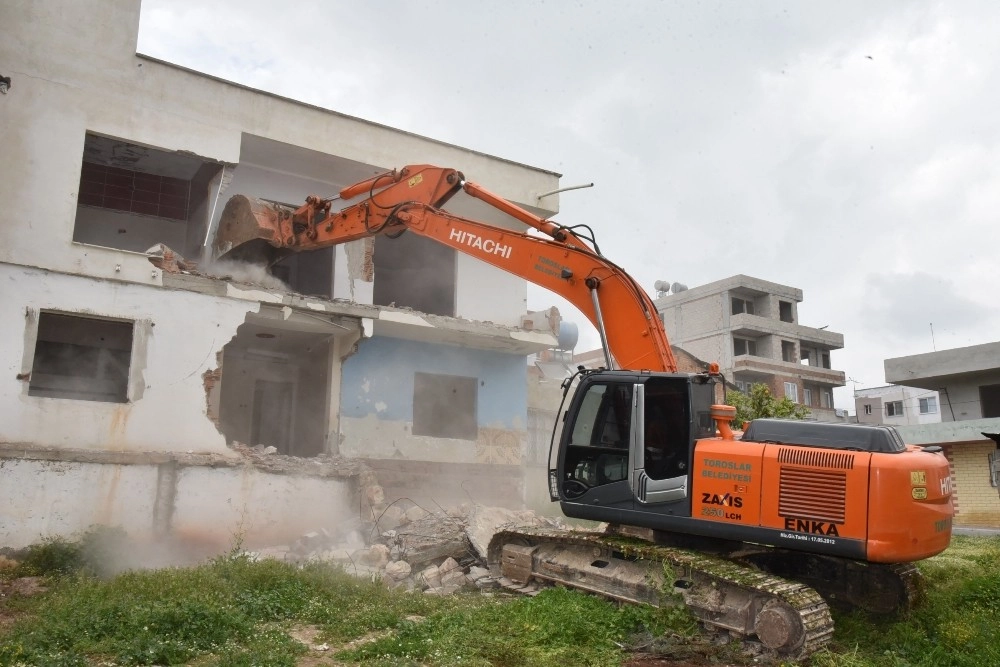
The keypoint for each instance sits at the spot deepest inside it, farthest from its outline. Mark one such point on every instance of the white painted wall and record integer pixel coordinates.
(487, 294)
(212, 507)
(910, 398)
(264, 509)
(186, 330)
(40, 499)
(104, 227)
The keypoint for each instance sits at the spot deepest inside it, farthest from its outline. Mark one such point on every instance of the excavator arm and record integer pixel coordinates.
(410, 199)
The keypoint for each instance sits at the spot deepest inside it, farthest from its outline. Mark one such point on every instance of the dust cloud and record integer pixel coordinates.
(253, 274)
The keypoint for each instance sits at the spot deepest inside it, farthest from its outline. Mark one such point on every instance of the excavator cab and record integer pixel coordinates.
(628, 440)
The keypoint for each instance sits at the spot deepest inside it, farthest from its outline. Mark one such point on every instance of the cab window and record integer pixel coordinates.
(597, 452)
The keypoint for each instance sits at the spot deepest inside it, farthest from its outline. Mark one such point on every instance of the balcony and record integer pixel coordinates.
(747, 363)
(754, 326)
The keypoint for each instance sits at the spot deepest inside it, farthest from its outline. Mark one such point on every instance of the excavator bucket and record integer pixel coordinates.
(249, 231)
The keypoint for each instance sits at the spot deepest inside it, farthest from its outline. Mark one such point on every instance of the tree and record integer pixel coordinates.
(759, 402)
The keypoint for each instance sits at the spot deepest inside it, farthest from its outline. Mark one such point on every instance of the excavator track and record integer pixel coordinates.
(878, 588)
(787, 617)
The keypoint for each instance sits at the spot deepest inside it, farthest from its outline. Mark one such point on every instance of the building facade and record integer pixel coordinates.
(967, 380)
(751, 328)
(135, 363)
(897, 405)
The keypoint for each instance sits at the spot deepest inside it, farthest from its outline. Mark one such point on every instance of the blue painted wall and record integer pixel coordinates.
(386, 366)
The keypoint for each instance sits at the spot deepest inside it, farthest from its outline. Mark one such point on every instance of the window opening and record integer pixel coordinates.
(785, 311)
(989, 399)
(868, 409)
(894, 409)
(741, 306)
(82, 358)
(415, 272)
(133, 197)
(928, 406)
(807, 397)
(743, 346)
(792, 392)
(787, 351)
(445, 406)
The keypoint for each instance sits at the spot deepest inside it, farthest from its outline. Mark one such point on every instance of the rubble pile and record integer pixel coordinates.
(407, 547)
(267, 459)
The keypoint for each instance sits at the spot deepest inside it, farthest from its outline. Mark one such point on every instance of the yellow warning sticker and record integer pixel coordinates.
(416, 180)
(919, 493)
(918, 478)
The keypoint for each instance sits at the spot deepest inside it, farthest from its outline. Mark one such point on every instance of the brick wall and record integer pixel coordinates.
(977, 503)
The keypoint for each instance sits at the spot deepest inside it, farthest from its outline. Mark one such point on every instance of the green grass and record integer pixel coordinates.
(233, 612)
(558, 627)
(238, 612)
(957, 626)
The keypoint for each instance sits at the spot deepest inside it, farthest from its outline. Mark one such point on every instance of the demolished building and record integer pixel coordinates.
(134, 363)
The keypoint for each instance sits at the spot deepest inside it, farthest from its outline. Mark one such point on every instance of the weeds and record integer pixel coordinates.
(954, 627)
(95, 552)
(234, 612)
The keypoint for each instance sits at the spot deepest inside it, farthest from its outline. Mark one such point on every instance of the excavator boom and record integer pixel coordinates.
(410, 199)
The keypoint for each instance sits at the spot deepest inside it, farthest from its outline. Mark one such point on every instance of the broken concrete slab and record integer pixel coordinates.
(430, 577)
(416, 513)
(434, 537)
(485, 522)
(398, 569)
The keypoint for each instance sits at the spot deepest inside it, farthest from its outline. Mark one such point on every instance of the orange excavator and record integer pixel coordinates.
(757, 535)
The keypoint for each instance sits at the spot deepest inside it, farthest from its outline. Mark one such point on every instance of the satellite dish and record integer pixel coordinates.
(678, 287)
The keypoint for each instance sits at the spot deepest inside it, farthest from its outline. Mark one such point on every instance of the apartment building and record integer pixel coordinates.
(751, 328)
(896, 405)
(137, 366)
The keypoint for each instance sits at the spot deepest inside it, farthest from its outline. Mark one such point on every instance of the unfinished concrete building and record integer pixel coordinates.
(751, 328)
(130, 372)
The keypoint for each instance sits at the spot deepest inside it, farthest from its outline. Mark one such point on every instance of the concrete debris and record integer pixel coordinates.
(438, 552)
(267, 459)
(430, 577)
(398, 569)
(167, 260)
(485, 522)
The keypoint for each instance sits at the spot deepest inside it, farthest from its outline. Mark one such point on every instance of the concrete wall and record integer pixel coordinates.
(198, 510)
(377, 402)
(40, 499)
(960, 399)
(264, 509)
(177, 337)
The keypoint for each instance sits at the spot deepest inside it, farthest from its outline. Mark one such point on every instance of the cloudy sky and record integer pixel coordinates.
(851, 149)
